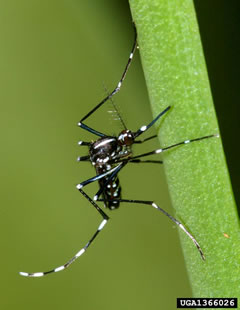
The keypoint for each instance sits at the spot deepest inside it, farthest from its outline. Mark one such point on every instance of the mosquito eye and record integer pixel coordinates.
(129, 140)
(126, 138)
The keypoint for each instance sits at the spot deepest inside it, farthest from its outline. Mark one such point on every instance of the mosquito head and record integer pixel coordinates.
(126, 137)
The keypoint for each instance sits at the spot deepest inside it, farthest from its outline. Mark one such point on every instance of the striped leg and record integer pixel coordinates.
(116, 90)
(81, 143)
(144, 128)
(100, 176)
(83, 158)
(79, 253)
(114, 173)
(179, 224)
(172, 146)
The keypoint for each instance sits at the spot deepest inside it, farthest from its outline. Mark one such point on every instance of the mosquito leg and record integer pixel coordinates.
(111, 177)
(79, 253)
(83, 158)
(89, 129)
(144, 128)
(139, 161)
(80, 143)
(102, 224)
(116, 90)
(99, 176)
(179, 224)
(144, 140)
(172, 146)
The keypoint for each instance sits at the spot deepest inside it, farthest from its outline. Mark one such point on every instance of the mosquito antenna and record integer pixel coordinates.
(115, 108)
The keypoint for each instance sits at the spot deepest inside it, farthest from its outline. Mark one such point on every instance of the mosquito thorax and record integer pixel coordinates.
(103, 150)
(126, 138)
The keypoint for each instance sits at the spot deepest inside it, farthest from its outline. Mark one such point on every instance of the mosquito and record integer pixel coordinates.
(109, 155)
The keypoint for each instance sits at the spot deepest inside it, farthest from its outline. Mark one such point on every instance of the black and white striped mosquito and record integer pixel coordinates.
(109, 154)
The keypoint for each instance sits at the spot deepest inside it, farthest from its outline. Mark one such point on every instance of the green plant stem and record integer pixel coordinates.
(197, 175)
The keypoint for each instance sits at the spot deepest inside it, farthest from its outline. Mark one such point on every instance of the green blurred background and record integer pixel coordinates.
(57, 59)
